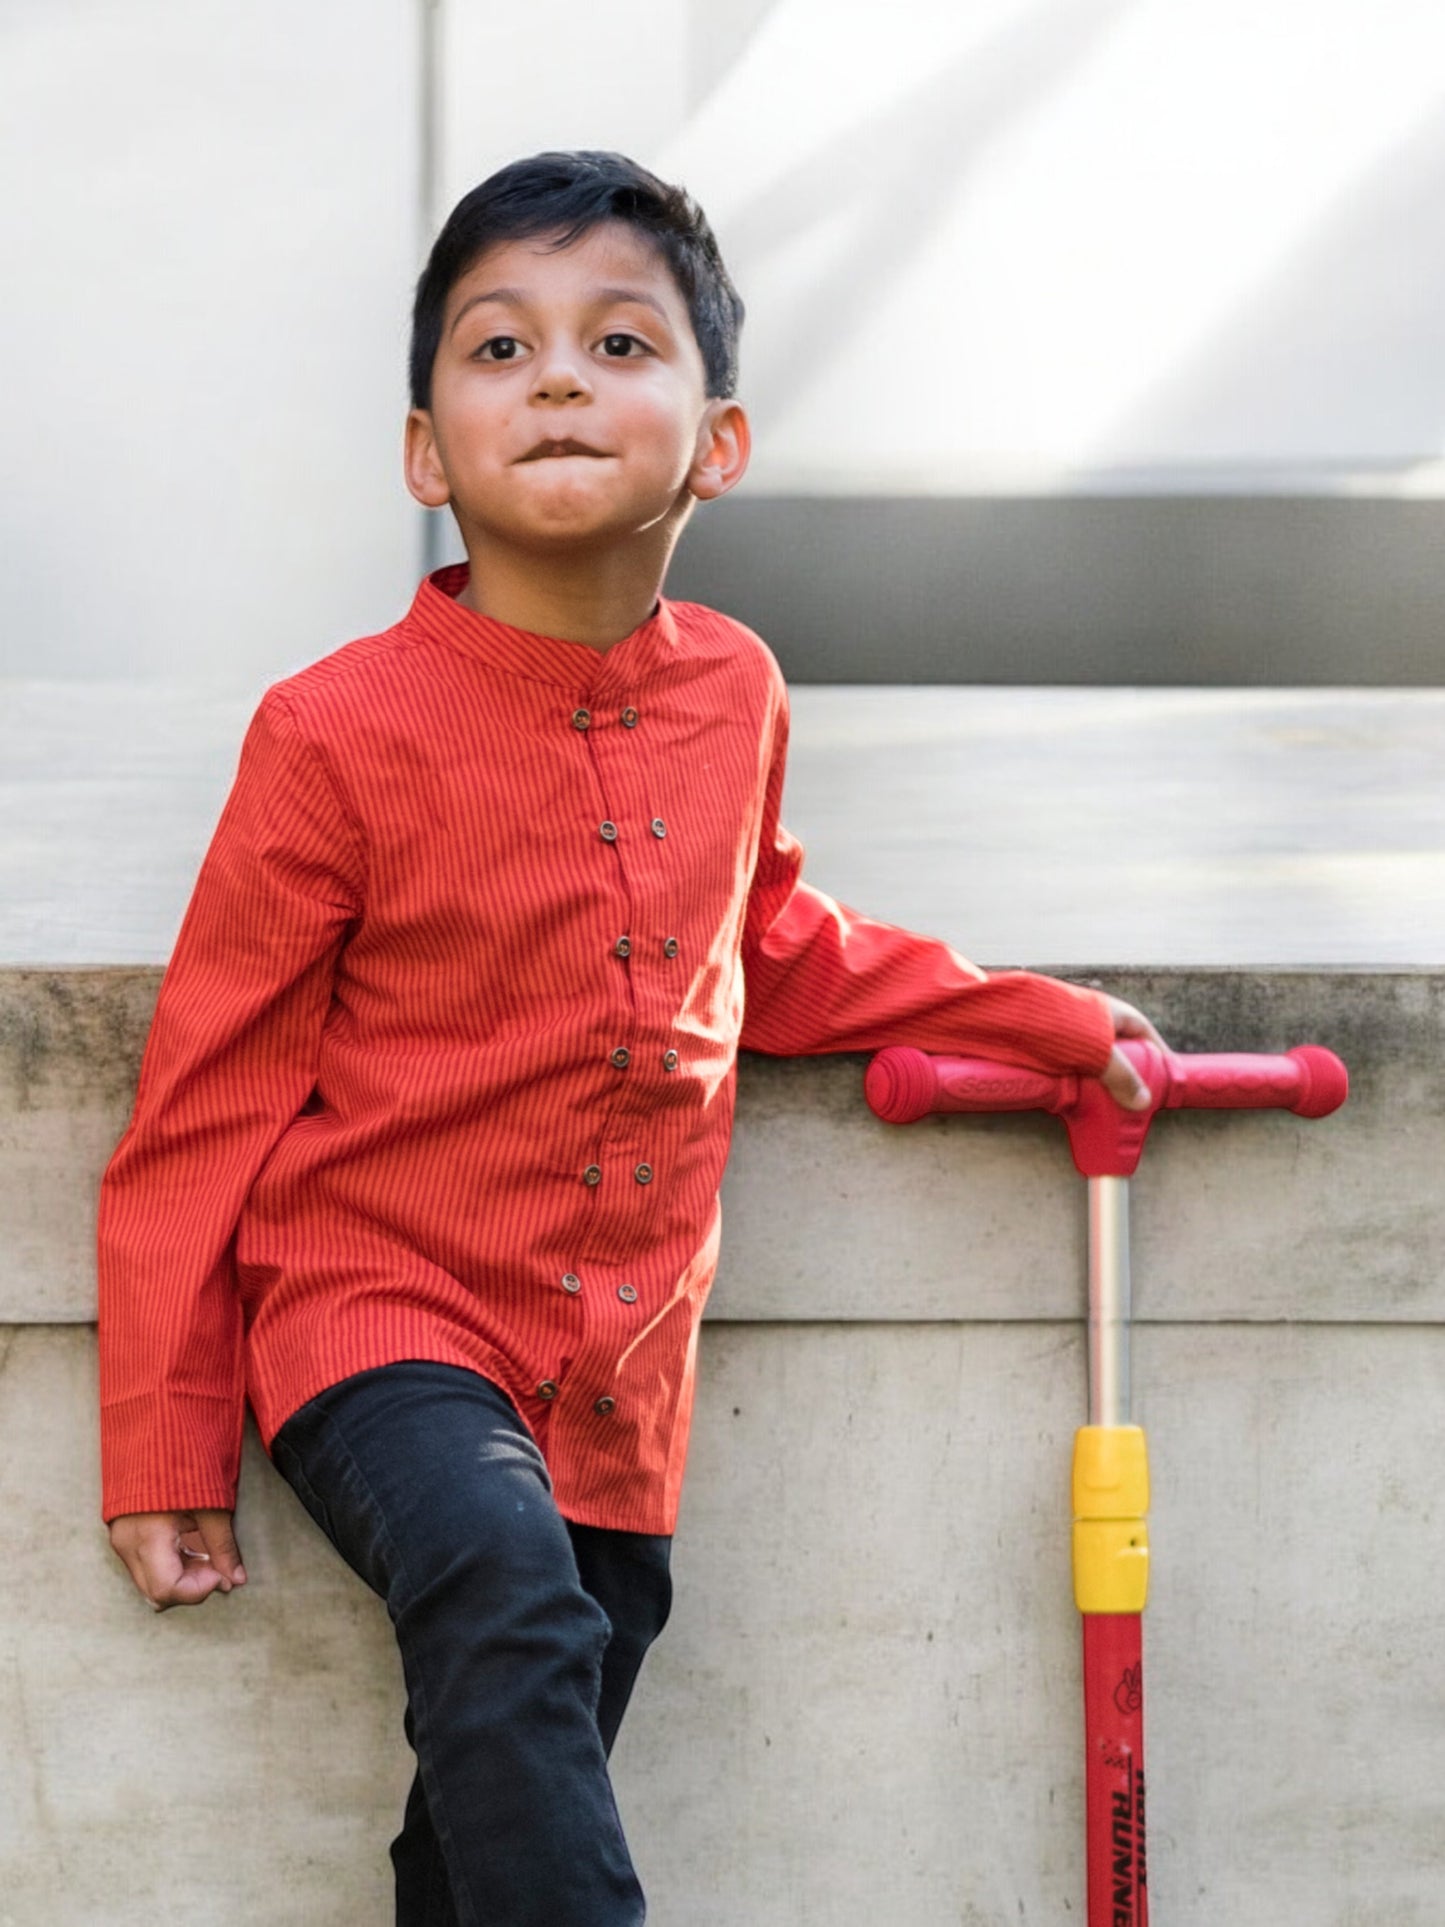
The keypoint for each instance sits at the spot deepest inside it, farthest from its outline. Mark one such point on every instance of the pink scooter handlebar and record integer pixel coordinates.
(903, 1085)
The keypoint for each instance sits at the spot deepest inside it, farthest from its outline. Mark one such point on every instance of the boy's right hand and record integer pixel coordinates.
(1119, 1077)
(178, 1558)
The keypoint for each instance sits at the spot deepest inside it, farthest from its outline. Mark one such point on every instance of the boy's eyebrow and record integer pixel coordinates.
(632, 294)
(517, 298)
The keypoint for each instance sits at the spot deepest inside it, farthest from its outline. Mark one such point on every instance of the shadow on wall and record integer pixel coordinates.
(1176, 590)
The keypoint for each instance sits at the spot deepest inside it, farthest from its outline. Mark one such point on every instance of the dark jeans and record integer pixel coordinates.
(521, 1635)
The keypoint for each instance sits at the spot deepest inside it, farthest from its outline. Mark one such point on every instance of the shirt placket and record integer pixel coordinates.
(628, 1154)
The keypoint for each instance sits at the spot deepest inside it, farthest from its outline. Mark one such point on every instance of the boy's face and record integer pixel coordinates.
(568, 401)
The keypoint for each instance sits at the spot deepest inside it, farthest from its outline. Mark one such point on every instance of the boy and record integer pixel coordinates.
(425, 1153)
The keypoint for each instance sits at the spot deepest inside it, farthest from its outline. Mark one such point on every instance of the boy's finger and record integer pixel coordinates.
(1124, 1084)
(194, 1583)
(155, 1566)
(1129, 1022)
(218, 1542)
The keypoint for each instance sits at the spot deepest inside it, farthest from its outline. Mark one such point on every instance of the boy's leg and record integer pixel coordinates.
(430, 1486)
(627, 1574)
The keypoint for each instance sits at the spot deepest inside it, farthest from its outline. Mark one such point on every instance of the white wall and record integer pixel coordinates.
(1062, 244)
(986, 247)
(1032, 244)
(208, 230)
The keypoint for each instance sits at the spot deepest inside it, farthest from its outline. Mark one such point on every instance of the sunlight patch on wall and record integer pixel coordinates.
(993, 247)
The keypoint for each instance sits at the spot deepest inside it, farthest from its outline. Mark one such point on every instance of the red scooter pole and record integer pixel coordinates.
(1111, 1474)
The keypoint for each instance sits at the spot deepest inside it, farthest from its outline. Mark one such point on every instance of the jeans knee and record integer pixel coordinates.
(507, 1589)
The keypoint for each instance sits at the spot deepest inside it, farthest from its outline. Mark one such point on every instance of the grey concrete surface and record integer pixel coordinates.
(1124, 826)
(865, 1708)
(833, 1215)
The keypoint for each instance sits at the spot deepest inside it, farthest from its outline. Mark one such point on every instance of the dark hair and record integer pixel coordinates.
(569, 194)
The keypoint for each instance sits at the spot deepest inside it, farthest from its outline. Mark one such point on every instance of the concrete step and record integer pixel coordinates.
(1127, 826)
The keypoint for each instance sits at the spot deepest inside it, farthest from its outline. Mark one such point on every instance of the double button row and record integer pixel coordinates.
(622, 1057)
(602, 1406)
(608, 830)
(573, 1284)
(623, 947)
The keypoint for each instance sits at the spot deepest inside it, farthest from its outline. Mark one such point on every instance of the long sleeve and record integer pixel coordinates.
(821, 977)
(230, 1060)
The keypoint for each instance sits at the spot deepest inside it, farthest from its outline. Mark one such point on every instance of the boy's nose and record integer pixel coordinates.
(560, 379)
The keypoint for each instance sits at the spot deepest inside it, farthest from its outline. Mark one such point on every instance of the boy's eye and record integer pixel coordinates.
(499, 348)
(620, 345)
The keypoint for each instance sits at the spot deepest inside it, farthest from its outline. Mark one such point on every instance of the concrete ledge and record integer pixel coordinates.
(830, 1214)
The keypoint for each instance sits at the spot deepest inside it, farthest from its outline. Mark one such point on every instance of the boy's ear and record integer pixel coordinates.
(724, 443)
(425, 476)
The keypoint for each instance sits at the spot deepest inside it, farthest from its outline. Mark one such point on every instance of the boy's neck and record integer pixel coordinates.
(597, 599)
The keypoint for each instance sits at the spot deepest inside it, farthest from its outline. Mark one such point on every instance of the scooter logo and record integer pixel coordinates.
(1127, 1860)
(1129, 1693)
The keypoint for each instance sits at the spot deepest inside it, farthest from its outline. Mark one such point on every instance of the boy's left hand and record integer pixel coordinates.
(1119, 1077)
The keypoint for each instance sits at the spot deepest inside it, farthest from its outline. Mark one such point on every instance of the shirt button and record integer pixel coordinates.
(670, 947)
(659, 828)
(547, 1389)
(571, 1282)
(629, 717)
(608, 832)
(628, 1294)
(622, 1057)
(593, 1174)
(669, 1060)
(604, 1406)
(622, 947)
(581, 718)
(643, 1173)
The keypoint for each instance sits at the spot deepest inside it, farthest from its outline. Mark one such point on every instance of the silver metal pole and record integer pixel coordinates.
(1109, 1301)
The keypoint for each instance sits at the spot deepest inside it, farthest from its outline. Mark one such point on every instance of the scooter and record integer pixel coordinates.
(1110, 1472)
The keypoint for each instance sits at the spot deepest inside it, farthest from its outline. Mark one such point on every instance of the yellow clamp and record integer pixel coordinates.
(1111, 1498)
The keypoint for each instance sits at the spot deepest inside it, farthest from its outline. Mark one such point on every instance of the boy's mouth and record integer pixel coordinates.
(545, 449)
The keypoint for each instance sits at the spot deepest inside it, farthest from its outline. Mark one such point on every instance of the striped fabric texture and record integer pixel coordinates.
(443, 1064)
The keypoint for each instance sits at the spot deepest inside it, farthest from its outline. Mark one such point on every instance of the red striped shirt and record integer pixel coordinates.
(443, 1063)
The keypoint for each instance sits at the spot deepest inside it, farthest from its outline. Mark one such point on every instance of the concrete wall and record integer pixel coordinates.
(209, 236)
(865, 1708)
(963, 281)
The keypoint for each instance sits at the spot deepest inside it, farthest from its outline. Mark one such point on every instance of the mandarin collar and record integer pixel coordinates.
(520, 652)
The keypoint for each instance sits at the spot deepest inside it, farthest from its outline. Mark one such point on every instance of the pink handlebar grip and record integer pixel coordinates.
(902, 1085)
(1307, 1080)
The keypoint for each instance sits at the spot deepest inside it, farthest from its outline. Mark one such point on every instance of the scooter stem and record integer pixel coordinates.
(1109, 1301)
(1111, 1578)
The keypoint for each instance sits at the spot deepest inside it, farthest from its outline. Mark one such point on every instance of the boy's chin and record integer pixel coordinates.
(577, 527)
